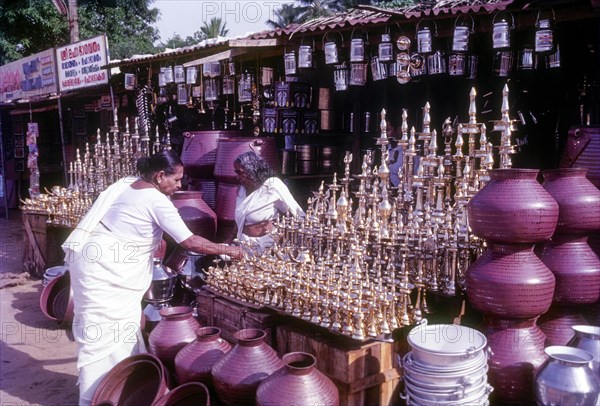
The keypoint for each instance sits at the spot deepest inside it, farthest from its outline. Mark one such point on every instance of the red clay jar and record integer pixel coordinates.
(298, 379)
(513, 208)
(510, 281)
(577, 197)
(176, 328)
(556, 324)
(194, 361)
(189, 394)
(197, 215)
(576, 268)
(238, 373)
(517, 352)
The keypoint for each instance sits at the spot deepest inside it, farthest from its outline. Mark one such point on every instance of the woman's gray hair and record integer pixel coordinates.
(256, 168)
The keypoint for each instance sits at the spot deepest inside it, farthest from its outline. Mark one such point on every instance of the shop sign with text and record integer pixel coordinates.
(79, 64)
(30, 77)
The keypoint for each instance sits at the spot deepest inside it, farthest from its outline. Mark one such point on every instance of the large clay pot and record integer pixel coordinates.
(576, 268)
(517, 352)
(510, 281)
(194, 361)
(238, 373)
(226, 196)
(199, 152)
(137, 380)
(231, 148)
(197, 215)
(557, 324)
(189, 394)
(578, 199)
(298, 379)
(513, 208)
(176, 328)
(566, 378)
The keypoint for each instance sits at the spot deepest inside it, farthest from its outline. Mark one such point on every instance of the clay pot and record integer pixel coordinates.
(199, 152)
(56, 302)
(226, 196)
(513, 208)
(298, 379)
(238, 373)
(189, 394)
(194, 361)
(517, 352)
(197, 215)
(557, 324)
(510, 281)
(576, 268)
(577, 197)
(230, 148)
(176, 328)
(136, 380)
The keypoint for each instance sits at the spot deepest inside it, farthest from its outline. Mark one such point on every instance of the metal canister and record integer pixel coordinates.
(456, 64)
(501, 33)
(289, 61)
(424, 40)
(386, 49)
(305, 56)
(544, 36)
(331, 53)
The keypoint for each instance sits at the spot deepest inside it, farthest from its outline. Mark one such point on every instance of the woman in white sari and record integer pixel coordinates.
(261, 199)
(110, 254)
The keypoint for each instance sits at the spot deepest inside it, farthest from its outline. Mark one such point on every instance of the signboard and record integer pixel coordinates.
(29, 77)
(79, 64)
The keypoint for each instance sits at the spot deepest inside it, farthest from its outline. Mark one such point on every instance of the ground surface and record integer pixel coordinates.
(37, 359)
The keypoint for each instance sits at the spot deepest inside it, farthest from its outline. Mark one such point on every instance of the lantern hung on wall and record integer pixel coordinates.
(168, 71)
(462, 34)
(425, 36)
(179, 74)
(385, 49)
(501, 30)
(191, 75)
(330, 47)
(341, 78)
(305, 55)
(358, 46)
(211, 69)
(245, 81)
(544, 34)
(289, 62)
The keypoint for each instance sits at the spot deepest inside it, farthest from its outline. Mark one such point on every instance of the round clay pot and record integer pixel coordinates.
(298, 379)
(194, 361)
(517, 352)
(510, 281)
(176, 328)
(557, 324)
(513, 208)
(136, 380)
(188, 394)
(56, 302)
(577, 197)
(197, 215)
(576, 268)
(238, 373)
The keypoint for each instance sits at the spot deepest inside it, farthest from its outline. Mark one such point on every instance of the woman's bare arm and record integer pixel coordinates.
(203, 246)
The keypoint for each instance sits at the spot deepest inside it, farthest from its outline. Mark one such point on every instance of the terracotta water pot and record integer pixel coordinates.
(517, 352)
(576, 269)
(176, 328)
(189, 394)
(557, 324)
(510, 281)
(196, 214)
(238, 373)
(298, 379)
(137, 380)
(513, 208)
(194, 361)
(577, 197)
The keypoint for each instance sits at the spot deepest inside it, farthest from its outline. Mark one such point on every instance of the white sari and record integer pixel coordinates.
(268, 201)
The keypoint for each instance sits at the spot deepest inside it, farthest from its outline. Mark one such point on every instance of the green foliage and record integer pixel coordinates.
(176, 41)
(30, 26)
(213, 29)
(286, 15)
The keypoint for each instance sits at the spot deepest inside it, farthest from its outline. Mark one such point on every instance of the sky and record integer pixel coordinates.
(184, 17)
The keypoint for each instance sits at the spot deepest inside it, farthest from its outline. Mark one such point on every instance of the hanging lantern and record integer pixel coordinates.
(425, 37)
(289, 62)
(544, 34)
(179, 74)
(358, 74)
(130, 81)
(182, 95)
(228, 85)
(462, 32)
(503, 63)
(191, 75)
(385, 49)
(211, 89)
(526, 59)
(379, 70)
(457, 64)
(245, 81)
(501, 31)
(357, 48)
(162, 81)
(341, 77)
(211, 69)
(168, 71)
(436, 63)
(305, 55)
(266, 76)
(330, 47)
(554, 59)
